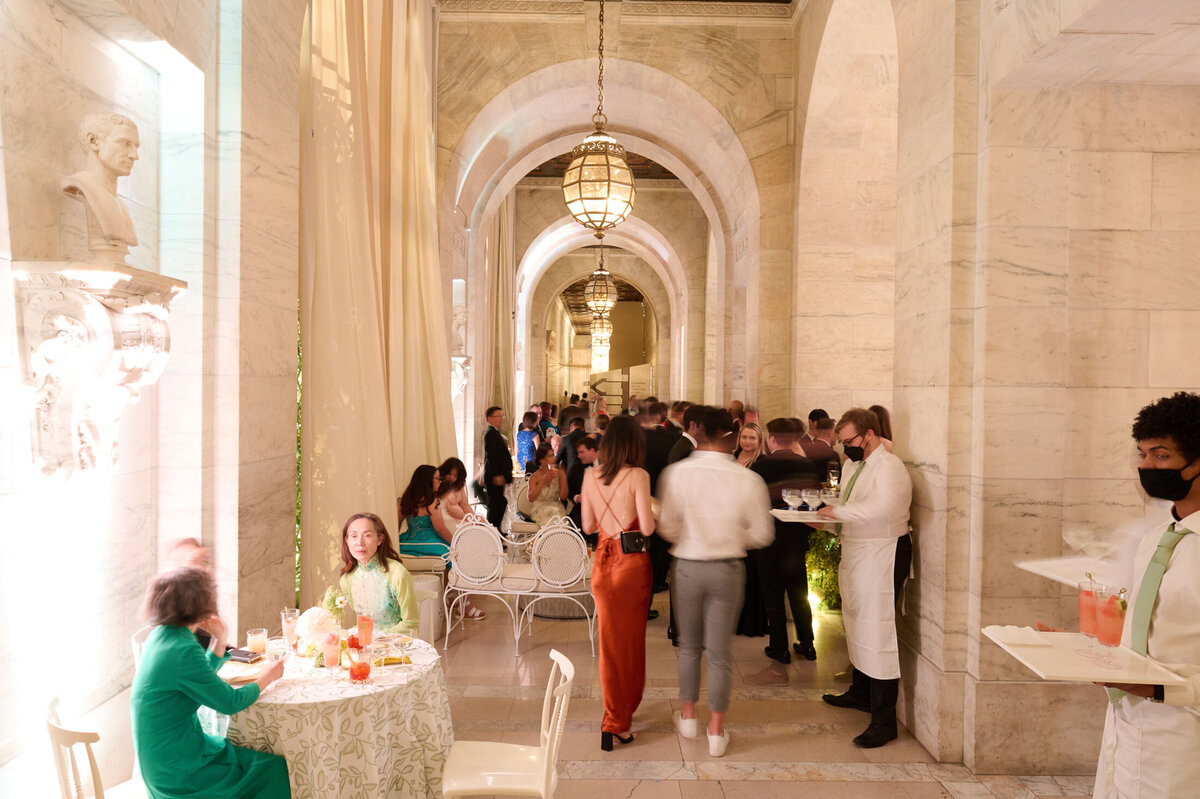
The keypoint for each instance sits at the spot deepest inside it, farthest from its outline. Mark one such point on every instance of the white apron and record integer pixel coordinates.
(868, 605)
(1159, 754)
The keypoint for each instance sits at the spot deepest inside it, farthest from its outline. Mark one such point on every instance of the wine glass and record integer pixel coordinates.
(791, 497)
(278, 648)
(810, 498)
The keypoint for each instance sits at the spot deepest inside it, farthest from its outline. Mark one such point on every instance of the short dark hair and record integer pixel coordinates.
(574, 398)
(529, 419)
(602, 421)
(862, 419)
(817, 413)
(575, 421)
(659, 409)
(1177, 417)
(694, 414)
(180, 597)
(716, 422)
(680, 406)
(823, 424)
(784, 430)
(491, 410)
(542, 451)
(651, 398)
(587, 441)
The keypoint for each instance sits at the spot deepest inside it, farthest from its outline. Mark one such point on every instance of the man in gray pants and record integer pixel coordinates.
(713, 510)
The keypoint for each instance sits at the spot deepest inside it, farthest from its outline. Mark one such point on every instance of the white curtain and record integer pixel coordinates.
(376, 370)
(500, 270)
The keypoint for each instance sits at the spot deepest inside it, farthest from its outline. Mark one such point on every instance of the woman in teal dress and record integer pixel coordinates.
(427, 533)
(373, 578)
(175, 676)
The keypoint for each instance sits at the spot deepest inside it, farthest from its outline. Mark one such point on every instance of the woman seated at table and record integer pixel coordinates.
(373, 578)
(547, 486)
(176, 675)
(426, 533)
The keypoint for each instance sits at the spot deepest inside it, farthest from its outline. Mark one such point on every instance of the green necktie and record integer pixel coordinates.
(853, 480)
(1139, 627)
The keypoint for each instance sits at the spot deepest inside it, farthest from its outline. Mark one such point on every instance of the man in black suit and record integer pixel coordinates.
(782, 572)
(585, 452)
(570, 412)
(692, 436)
(497, 466)
(567, 454)
(659, 441)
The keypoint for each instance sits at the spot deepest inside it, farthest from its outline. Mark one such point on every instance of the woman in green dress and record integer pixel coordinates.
(176, 675)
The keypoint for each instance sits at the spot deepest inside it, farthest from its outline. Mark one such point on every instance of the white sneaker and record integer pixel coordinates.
(688, 728)
(717, 744)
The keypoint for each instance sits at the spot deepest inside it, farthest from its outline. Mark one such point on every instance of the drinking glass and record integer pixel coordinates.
(1087, 614)
(1110, 617)
(289, 617)
(256, 640)
(360, 664)
(278, 648)
(366, 628)
(828, 496)
(331, 650)
(791, 498)
(810, 498)
(835, 473)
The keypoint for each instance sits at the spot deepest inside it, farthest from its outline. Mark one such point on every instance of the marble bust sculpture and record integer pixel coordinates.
(111, 143)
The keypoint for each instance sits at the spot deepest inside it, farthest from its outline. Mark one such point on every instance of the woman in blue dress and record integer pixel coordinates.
(175, 676)
(527, 438)
(429, 531)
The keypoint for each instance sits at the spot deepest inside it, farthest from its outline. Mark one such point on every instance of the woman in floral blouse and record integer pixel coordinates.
(373, 577)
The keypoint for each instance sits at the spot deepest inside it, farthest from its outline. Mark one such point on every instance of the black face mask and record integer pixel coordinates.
(1168, 484)
(853, 453)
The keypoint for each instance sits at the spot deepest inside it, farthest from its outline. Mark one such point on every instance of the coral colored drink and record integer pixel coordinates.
(289, 617)
(331, 648)
(256, 640)
(366, 627)
(1087, 612)
(360, 664)
(1110, 620)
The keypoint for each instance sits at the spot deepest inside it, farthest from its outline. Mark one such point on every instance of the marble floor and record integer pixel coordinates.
(785, 742)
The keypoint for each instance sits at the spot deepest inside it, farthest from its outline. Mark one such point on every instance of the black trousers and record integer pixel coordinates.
(881, 695)
(497, 505)
(660, 559)
(783, 577)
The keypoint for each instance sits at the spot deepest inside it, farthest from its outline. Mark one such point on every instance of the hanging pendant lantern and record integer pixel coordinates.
(602, 330)
(600, 293)
(598, 185)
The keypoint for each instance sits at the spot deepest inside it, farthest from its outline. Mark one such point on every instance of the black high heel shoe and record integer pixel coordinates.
(606, 740)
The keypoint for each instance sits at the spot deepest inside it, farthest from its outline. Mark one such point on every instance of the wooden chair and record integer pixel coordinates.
(63, 742)
(484, 767)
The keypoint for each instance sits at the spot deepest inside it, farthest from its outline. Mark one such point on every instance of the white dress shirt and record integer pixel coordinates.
(714, 509)
(879, 501)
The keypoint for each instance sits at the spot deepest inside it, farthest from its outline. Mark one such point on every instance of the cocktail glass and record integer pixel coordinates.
(366, 629)
(289, 617)
(331, 650)
(810, 498)
(791, 498)
(278, 648)
(256, 640)
(1087, 615)
(360, 664)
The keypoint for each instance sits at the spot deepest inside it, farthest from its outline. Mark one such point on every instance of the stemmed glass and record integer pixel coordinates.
(810, 497)
(792, 498)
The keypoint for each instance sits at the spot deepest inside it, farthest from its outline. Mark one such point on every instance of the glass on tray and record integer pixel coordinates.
(1110, 617)
(791, 497)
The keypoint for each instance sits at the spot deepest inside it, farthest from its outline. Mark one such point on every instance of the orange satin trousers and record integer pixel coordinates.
(621, 586)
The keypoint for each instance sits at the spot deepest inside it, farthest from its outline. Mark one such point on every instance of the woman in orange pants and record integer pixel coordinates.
(616, 499)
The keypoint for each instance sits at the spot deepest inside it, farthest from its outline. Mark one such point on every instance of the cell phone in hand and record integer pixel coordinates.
(245, 656)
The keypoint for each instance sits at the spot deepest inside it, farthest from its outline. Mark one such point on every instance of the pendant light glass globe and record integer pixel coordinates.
(600, 293)
(598, 185)
(602, 330)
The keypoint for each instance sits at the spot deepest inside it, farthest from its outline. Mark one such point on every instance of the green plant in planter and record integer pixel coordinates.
(824, 555)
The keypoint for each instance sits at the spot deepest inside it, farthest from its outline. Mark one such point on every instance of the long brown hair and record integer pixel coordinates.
(624, 444)
(460, 482)
(386, 551)
(419, 494)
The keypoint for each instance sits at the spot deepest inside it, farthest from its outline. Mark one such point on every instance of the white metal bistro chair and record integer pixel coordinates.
(480, 568)
(486, 767)
(559, 569)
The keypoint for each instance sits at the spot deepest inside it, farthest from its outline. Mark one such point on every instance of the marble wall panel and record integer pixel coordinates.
(1133, 269)
(1027, 186)
(1025, 346)
(1136, 118)
(1066, 718)
(1107, 347)
(1025, 430)
(1176, 205)
(1022, 519)
(1109, 190)
(1171, 364)
(1025, 266)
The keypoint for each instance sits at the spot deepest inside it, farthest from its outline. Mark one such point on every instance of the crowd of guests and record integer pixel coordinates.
(731, 567)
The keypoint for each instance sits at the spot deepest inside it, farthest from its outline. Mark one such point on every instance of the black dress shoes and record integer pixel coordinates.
(847, 700)
(807, 651)
(783, 657)
(875, 736)
(652, 615)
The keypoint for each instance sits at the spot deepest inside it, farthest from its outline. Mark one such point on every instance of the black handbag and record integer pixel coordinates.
(633, 543)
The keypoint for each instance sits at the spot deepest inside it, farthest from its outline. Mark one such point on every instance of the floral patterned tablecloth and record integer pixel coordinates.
(389, 738)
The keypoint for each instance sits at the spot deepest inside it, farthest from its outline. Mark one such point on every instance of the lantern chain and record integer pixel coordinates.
(599, 119)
